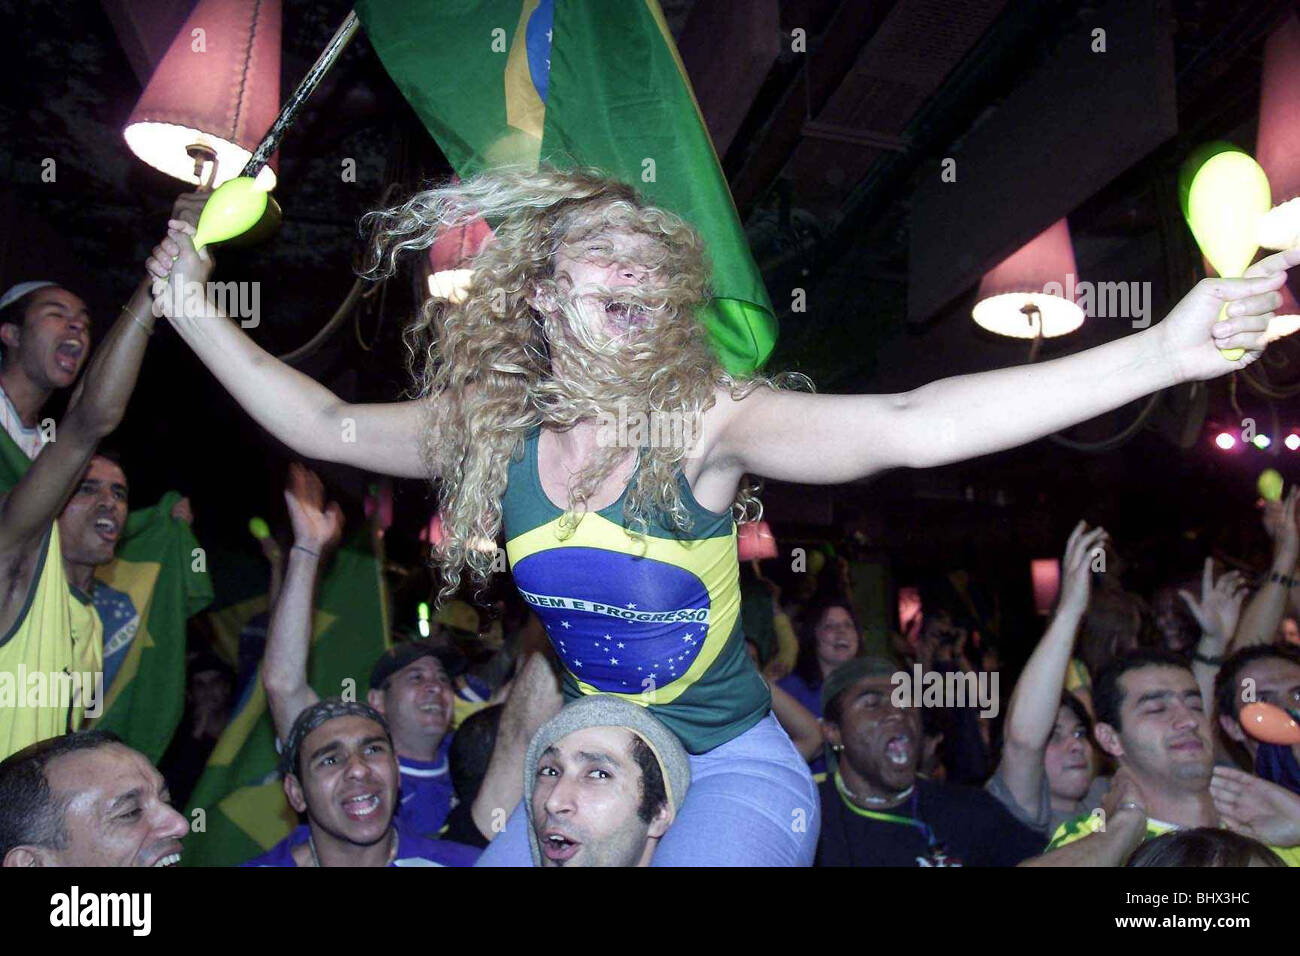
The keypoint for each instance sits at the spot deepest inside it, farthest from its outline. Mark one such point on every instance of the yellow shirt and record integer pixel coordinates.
(51, 659)
(1088, 824)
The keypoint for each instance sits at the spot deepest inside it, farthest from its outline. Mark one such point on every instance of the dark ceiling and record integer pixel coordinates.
(825, 150)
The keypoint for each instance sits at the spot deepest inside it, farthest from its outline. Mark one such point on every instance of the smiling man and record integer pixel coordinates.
(603, 781)
(876, 811)
(410, 684)
(86, 799)
(1152, 721)
(341, 771)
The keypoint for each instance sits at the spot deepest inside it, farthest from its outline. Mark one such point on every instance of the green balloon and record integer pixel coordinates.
(1270, 485)
(259, 529)
(233, 208)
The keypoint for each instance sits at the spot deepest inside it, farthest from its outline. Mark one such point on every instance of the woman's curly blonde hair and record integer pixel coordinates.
(485, 362)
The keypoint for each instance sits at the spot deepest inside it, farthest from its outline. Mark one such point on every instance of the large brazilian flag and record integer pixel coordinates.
(160, 566)
(238, 809)
(578, 82)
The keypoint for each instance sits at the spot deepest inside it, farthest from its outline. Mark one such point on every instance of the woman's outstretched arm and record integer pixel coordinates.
(296, 409)
(829, 439)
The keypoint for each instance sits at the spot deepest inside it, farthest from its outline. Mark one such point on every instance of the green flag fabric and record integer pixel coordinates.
(578, 82)
(160, 566)
(238, 809)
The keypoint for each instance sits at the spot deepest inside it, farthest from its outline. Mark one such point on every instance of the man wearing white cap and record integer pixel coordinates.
(45, 333)
(51, 639)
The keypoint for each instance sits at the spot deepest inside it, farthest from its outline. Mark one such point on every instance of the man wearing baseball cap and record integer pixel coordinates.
(603, 781)
(339, 769)
(410, 684)
(875, 810)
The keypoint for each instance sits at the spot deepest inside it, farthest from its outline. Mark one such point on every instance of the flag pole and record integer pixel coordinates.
(293, 105)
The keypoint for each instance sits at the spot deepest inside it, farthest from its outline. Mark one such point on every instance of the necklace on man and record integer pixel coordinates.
(880, 801)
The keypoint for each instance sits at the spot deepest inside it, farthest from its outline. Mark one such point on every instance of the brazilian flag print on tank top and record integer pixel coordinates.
(654, 619)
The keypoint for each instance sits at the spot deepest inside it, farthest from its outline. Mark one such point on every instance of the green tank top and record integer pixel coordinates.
(654, 620)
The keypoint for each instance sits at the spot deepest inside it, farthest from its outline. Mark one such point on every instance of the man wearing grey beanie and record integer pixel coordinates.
(603, 782)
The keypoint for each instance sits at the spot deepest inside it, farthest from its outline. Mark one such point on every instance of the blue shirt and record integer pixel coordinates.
(412, 850)
(426, 792)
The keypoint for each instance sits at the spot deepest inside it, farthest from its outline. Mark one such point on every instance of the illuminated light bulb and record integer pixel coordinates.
(1262, 441)
(1292, 441)
(1225, 440)
(1031, 292)
(451, 285)
(424, 628)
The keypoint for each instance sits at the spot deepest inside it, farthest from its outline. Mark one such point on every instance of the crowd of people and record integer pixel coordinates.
(651, 701)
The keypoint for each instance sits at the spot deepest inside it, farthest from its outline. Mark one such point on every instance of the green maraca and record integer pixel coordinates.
(1228, 195)
(233, 208)
(1270, 485)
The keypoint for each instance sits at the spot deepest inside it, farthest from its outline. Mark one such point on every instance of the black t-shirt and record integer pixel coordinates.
(950, 825)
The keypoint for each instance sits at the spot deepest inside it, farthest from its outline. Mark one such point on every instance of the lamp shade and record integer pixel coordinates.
(1032, 291)
(218, 87)
(754, 541)
(1046, 576)
(433, 534)
(436, 536)
(458, 245)
(449, 255)
(1278, 146)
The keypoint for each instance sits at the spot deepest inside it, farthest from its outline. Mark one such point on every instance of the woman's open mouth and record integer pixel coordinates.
(625, 315)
